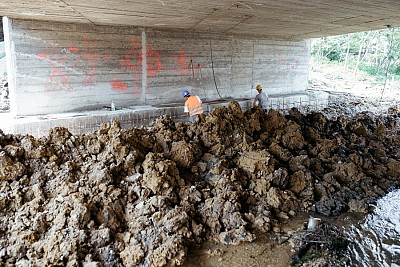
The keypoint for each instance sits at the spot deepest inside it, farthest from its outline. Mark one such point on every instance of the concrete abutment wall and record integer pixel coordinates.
(76, 67)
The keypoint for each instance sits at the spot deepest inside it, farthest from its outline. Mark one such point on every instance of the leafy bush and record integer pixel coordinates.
(396, 70)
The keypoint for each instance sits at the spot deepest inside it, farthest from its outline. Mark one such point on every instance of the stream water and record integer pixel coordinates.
(375, 241)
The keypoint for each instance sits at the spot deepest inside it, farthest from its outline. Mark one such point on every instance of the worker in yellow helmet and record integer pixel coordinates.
(261, 99)
(192, 105)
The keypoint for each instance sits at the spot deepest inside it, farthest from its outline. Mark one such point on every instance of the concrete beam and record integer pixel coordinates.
(281, 20)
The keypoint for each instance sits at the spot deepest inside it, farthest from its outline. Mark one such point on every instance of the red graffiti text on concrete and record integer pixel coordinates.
(133, 61)
(186, 66)
(91, 58)
(82, 62)
(74, 49)
(119, 86)
(153, 61)
(183, 63)
(57, 77)
(58, 81)
(130, 63)
(59, 60)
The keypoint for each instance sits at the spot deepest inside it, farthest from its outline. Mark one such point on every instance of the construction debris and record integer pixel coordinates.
(139, 197)
(325, 245)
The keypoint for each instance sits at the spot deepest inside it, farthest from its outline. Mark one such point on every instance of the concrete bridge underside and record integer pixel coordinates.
(283, 19)
(78, 56)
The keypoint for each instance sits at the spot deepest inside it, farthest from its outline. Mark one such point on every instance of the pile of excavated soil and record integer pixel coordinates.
(140, 197)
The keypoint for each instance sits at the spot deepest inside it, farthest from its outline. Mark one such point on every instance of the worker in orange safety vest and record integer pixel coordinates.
(192, 105)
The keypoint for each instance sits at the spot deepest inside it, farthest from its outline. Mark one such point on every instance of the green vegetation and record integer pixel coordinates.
(305, 258)
(376, 53)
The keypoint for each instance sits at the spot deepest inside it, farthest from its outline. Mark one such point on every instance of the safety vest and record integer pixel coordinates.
(194, 106)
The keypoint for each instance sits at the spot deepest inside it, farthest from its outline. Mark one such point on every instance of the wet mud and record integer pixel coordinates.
(142, 197)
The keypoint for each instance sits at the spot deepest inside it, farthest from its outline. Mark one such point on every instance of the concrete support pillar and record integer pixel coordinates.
(1, 30)
(9, 48)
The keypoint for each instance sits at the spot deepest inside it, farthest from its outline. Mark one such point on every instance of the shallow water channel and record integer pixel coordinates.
(375, 241)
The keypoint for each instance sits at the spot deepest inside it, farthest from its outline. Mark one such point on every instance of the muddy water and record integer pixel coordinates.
(376, 239)
(268, 250)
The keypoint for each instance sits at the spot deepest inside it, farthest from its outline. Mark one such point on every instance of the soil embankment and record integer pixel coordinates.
(140, 197)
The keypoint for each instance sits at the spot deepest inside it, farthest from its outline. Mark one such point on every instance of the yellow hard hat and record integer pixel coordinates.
(259, 87)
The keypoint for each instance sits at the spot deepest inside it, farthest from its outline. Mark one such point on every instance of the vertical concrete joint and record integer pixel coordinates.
(252, 70)
(9, 48)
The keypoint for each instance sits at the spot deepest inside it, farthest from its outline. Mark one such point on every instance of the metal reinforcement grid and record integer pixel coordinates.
(87, 123)
(83, 124)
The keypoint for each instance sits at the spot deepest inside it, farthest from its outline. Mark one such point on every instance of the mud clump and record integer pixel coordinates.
(140, 197)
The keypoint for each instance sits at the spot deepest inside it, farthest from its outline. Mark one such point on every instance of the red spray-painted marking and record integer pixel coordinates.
(153, 61)
(74, 49)
(58, 60)
(183, 64)
(130, 65)
(91, 59)
(132, 61)
(44, 54)
(119, 86)
(58, 81)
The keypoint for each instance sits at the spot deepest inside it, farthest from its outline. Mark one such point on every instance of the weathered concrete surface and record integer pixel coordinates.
(89, 121)
(284, 19)
(135, 116)
(73, 67)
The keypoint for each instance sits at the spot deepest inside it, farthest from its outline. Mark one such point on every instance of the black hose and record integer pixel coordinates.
(212, 67)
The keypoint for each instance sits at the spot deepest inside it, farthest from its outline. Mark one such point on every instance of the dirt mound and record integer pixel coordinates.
(139, 197)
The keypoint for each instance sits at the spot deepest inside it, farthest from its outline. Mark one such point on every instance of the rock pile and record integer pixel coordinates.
(139, 197)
